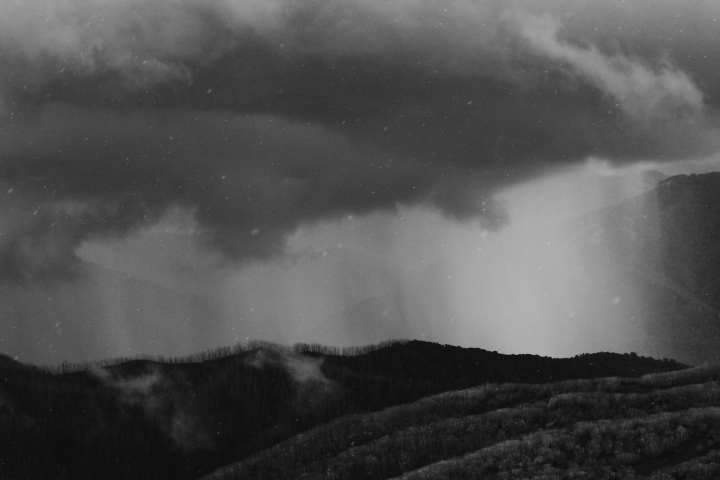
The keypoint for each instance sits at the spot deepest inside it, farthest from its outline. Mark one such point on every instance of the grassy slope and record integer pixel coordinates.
(661, 424)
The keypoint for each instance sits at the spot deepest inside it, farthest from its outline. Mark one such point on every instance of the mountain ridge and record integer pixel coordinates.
(663, 247)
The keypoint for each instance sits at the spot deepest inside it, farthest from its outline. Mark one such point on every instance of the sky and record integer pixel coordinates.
(179, 175)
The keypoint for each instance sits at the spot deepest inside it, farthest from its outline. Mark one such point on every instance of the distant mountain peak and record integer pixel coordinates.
(691, 180)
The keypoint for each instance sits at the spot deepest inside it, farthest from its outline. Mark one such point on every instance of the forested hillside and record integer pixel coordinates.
(661, 426)
(182, 418)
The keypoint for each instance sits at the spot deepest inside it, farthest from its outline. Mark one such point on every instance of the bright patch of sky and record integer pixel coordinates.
(411, 273)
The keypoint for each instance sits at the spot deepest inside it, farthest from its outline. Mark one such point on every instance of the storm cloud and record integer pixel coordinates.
(257, 117)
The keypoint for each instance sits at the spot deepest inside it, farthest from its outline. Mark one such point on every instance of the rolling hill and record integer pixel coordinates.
(184, 418)
(657, 426)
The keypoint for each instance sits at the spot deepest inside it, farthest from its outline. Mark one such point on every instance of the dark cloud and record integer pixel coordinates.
(261, 116)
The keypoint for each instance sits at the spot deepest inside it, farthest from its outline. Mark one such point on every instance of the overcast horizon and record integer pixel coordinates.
(183, 175)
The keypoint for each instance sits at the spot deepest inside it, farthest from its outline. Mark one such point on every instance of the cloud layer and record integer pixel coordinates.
(258, 117)
(637, 88)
